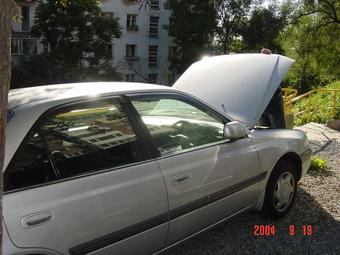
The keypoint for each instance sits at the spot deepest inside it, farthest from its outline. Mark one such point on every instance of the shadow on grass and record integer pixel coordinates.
(236, 236)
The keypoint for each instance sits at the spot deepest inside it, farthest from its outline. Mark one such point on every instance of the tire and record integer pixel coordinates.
(280, 191)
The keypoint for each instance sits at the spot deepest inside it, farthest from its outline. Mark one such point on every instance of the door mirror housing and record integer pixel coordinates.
(235, 130)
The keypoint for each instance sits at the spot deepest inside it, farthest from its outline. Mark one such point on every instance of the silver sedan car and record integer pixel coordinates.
(131, 168)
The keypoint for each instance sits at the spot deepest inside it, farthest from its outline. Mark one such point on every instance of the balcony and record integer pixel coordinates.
(154, 4)
(131, 58)
(153, 61)
(24, 46)
(132, 28)
(130, 1)
(166, 5)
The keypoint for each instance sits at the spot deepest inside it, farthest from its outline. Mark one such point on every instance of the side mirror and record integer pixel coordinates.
(235, 130)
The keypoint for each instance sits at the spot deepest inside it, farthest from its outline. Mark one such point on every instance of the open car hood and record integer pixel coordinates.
(239, 85)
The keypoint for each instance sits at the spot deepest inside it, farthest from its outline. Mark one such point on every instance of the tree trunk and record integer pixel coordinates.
(7, 12)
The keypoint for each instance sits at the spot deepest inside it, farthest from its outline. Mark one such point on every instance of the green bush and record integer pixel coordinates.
(318, 164)
(321, 104)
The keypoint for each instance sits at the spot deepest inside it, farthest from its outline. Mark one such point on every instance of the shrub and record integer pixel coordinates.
(321, 104)
(318, 164)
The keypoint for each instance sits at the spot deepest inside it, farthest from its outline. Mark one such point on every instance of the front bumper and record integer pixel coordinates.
(305, 160)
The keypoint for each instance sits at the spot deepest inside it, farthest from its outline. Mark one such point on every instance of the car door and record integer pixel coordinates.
(83, 182)
(207, 177)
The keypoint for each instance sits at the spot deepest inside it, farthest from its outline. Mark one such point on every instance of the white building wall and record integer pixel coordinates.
(120, 8)
(140, 67)
(21, 38)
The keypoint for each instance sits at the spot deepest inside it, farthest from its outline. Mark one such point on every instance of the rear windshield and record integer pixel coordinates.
(10, 115)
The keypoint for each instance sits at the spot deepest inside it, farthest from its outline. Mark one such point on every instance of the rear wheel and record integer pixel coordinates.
(280, 190)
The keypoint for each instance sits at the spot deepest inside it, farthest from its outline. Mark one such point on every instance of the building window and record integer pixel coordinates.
(129, 77)
(46, 47)
(154, 4)
(172, 52)
(171, 77)
(152, 77)
(166, 5)
(25, 14)
(130, 50)
(131, 22)
(108, 14)
(24, 46)
(153, 52)
(153, 28)
(109, 53)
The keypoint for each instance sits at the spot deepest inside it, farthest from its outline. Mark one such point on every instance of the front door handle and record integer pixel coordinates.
(36, 219)
(176, 180)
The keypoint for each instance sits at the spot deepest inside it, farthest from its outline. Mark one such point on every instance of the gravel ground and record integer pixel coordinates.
(317, 204)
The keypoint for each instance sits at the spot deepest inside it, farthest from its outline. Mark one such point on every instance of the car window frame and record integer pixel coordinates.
(181, 97)
(146, 154)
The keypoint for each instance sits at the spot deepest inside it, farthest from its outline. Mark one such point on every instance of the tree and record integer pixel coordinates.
(263, 28)
(44, 69)
(313, 42)
(327, 10)
(76, 31)
(7, 12)
(316, 51)
(79, 38)
(192, 25)
(231, 15)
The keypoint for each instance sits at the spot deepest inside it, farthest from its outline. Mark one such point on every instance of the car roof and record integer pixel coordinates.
(26, 105)
(60, 92)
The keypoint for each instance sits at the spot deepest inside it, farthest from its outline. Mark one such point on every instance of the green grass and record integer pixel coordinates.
(321, 103)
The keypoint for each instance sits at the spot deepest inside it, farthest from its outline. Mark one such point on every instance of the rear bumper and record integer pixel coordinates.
(305, 160)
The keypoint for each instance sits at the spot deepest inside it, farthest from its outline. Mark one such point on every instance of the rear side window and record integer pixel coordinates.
(31, 167)
(87, 139)
(81, 139)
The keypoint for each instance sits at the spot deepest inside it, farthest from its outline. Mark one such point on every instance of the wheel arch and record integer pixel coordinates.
(295, 160)
(289, 156)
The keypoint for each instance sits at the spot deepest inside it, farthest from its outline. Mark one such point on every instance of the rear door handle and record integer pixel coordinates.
(36, 219)
(176, 180)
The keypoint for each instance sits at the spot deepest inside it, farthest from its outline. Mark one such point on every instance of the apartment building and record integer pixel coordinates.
(23, 43)
(141, 54)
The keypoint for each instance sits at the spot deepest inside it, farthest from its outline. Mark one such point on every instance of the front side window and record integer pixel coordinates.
(176, 125)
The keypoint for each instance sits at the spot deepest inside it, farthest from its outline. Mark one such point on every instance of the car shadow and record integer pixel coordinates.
(236, 235)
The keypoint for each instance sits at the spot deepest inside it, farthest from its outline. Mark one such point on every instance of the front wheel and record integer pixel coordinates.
(280, 190)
